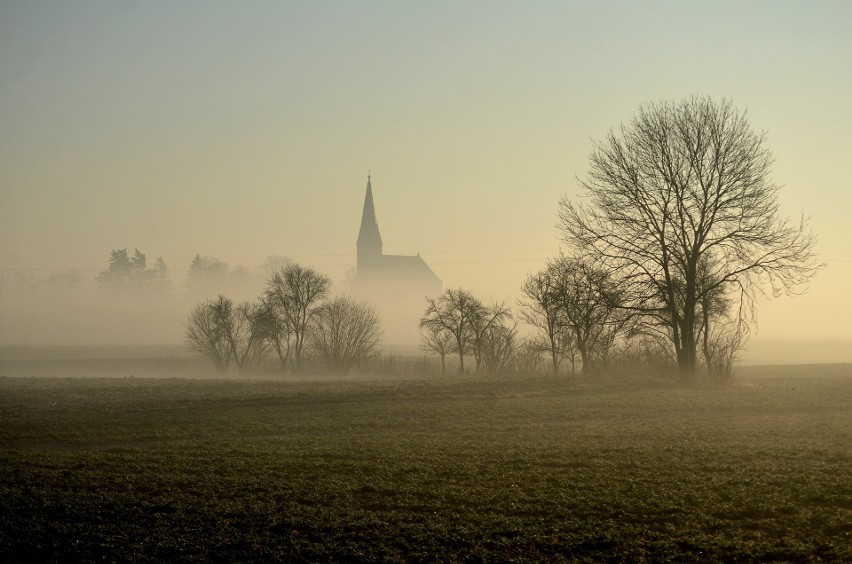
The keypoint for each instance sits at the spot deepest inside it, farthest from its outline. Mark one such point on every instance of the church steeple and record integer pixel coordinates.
(369, 238)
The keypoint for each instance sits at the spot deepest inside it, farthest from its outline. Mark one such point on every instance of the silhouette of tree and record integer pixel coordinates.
(434, 338)
(127, 272)
(160, 274)
(489, 335)
(276, 329)
(296, 294)
(498, 346)
(453, 313)
(589, 302)
(346, 333)
(247, 335)
(207, 331)
(223, 332)
(122, 269)
(543, 311)
(681, 182)
(206, 275)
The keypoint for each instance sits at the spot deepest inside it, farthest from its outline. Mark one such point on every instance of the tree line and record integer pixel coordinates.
(294, 315)
(679, 231)
(129, 273)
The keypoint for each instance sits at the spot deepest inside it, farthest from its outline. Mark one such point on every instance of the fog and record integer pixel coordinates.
(240, 134)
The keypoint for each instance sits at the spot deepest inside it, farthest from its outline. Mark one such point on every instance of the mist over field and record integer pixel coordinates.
(301, 282)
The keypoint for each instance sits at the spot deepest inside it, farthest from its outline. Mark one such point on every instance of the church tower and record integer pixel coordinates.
(369, 239)
(395, 285)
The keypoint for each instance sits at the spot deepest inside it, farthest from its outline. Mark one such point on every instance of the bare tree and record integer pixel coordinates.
(486, 325)
(276, 330)
(453, 312)
(205, 334)
(297, 293)
(529, 355)
(589, 300)
(724, 326)
(223, 332)
(543, 311)
(247, 335)
(345, 334)
(434, 338)
(498, 347)
(682, 181)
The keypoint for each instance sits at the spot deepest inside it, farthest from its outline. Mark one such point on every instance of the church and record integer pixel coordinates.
(397, 285)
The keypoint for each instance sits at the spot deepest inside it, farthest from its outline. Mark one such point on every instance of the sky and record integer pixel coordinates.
(241, 130)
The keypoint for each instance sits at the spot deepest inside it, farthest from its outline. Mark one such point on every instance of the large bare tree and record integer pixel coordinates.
(681, 183)
(297, 293)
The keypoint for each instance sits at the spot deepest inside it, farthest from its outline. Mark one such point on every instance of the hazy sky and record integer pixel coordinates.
(245, 129)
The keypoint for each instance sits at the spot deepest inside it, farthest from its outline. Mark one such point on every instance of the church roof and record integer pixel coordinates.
(368, 235)
(406, 265)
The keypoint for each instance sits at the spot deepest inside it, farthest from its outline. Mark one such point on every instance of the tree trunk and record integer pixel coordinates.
(689, 344)
(586, 358)
(554, 356)
(686, 358)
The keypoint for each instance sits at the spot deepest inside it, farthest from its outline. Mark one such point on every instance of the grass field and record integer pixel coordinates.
(524, 469)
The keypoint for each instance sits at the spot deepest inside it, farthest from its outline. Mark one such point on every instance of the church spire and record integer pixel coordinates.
(369, 238)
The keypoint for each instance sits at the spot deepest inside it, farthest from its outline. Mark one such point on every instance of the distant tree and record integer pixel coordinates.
(160, 274)
(223, 332)
(276, 329)
(123, 270)
(529, 354)
(345, 334)
(589, 300)
(434, 338)
(247, 335)
(206, 333)
(127, 272)
(543, 311)
(498, 347)
(453, 313)
(488, 334)
(138, 261)
(681, 183)
(205, 275)
(297, 293)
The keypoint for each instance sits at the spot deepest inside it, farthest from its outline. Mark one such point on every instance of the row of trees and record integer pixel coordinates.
(204, 275)
(572, 308)
(681, 230)
(294, 314)
(126, 271)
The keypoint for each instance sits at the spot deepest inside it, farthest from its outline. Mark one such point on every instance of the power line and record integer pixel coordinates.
(315, 255)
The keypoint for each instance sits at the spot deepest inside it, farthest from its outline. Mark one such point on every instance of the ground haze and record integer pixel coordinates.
(455, 468)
